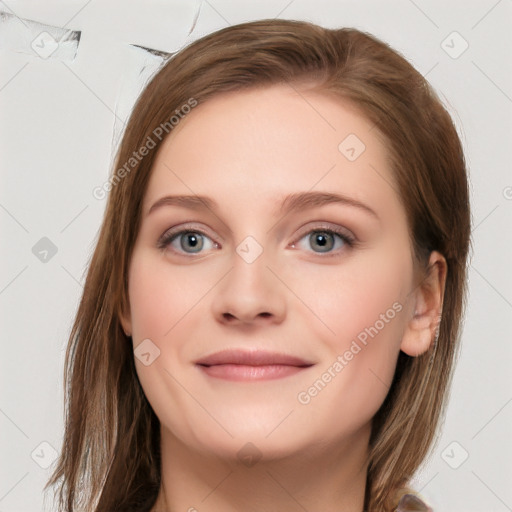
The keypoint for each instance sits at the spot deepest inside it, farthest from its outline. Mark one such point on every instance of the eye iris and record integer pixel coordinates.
(195, 239)
(321, 239)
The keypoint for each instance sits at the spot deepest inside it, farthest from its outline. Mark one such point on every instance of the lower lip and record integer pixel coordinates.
(240, 372)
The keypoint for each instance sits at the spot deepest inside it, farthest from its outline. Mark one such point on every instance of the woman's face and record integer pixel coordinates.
(271, 262)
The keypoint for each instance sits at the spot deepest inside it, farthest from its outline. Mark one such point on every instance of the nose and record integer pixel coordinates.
(249, 294)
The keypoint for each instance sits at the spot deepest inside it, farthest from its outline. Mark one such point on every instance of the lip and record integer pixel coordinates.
(239, 365)
(252, 358)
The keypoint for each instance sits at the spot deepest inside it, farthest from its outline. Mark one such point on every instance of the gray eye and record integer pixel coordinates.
(323, 240)
(191, 241)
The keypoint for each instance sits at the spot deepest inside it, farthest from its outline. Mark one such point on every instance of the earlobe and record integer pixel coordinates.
(125, 320)
(423, 327)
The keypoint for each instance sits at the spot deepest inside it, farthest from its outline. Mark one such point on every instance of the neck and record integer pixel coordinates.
(326, 477)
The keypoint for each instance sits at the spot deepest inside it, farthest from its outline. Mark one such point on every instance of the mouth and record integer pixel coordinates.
(243, 365)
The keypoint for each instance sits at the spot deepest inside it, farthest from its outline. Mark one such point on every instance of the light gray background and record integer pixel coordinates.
(57, 128)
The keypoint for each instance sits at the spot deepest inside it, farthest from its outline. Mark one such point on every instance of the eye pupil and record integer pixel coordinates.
(322, 240)
(196, 241)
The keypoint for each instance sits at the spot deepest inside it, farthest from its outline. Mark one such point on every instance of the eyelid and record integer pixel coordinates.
(327, 226)
(187, 226)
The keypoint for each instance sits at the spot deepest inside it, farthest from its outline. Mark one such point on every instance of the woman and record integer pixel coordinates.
(297, 354)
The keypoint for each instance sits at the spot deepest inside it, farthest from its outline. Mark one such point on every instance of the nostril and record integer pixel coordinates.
(230, 316)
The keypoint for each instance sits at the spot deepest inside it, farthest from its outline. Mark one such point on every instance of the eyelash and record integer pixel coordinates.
(348, 240)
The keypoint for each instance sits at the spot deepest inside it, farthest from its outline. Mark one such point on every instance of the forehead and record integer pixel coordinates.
(261, 143)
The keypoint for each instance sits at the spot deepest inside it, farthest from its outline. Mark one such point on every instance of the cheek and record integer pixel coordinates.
(367, 289)
(163, 299)
(161, 294)
(363, 304)
(362, 307)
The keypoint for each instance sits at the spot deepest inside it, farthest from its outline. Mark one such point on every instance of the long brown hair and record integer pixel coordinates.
(110, 458)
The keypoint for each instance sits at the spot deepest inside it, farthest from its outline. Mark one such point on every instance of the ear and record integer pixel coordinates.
(125, 318)
(427, 301)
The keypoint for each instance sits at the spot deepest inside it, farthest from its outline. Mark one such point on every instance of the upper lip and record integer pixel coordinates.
(251, 358)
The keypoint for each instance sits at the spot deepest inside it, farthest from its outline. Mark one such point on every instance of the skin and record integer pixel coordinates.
(247, 150)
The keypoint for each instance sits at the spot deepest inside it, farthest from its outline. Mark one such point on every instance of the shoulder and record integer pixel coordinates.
(411, 503)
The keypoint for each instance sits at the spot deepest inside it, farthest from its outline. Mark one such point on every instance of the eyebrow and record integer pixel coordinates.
(291, 203)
